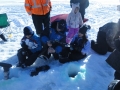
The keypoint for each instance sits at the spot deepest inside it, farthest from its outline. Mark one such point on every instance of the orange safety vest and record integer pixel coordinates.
(37, 7)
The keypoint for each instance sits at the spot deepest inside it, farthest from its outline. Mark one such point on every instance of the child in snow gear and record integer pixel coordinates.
(74, 21)
(79, 47)
(114, 59)
(83, 5)
(106, 37)
(114, 85)
(31, 47)
(57, 33)
(40, 12)
(6, 68)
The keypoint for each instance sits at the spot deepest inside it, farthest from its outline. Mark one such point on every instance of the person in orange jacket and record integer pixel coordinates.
(40, 12)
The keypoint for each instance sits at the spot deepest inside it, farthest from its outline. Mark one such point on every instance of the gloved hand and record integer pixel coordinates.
(24, 46)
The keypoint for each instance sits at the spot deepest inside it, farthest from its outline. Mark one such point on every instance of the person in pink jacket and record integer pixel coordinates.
(74, 21)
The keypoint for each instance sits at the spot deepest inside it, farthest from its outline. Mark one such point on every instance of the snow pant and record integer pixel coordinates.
(57, 48)
(100, 46)
(27, 58)
(71, 33)
(41, 22)
(67, 55)
(117, 75)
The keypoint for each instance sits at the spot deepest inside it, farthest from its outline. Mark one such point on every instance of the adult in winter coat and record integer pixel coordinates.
(105, 38)
(53, 44)
(79, 47)
(40, 11)
(114, 59)
(74, 21)
(83, 5)
(31, 47)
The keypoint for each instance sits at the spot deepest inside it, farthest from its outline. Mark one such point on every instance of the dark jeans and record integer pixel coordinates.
(41, 22)
(28, 58)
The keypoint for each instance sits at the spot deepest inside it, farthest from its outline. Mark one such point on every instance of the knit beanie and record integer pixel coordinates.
(27, 31)
(83, 29)
(62, 24)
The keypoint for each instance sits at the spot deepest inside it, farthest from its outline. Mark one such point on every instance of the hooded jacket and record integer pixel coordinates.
(74, 20)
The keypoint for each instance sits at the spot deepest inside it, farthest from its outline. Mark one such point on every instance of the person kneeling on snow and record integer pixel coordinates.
(79, 47)
(53, 44)
(106, 37)
(31, 47)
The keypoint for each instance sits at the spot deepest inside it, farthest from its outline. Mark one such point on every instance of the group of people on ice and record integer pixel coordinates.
(51, 38)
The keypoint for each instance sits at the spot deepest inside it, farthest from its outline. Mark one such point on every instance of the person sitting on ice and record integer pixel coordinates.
(83, 5)
(74, 21)
(31, 47)
(79, 47)
(53, 44)
(106, 37)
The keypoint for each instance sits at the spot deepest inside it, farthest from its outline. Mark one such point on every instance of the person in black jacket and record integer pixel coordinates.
(106, 37)
(54, 42)
(83, 5)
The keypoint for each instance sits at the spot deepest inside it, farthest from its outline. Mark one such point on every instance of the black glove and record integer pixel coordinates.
(24, 46)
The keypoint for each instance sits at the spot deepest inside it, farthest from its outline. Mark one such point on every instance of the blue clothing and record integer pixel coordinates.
(53, 37)
(33, 43)
(83, 46)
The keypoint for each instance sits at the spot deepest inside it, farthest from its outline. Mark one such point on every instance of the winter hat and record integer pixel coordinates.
(83, 29)
(62, 24)
(27, 31)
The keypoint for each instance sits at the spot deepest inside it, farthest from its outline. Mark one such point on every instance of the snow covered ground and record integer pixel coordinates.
(93, 71)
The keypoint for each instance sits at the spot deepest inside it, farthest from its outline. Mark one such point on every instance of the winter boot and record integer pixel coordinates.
(6, 68)
(6, 75)
(3, 37)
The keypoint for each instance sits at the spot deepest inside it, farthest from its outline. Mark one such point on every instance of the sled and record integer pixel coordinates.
(62, 16)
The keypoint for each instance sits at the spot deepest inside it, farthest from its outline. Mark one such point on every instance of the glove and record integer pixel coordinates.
(24, 46)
